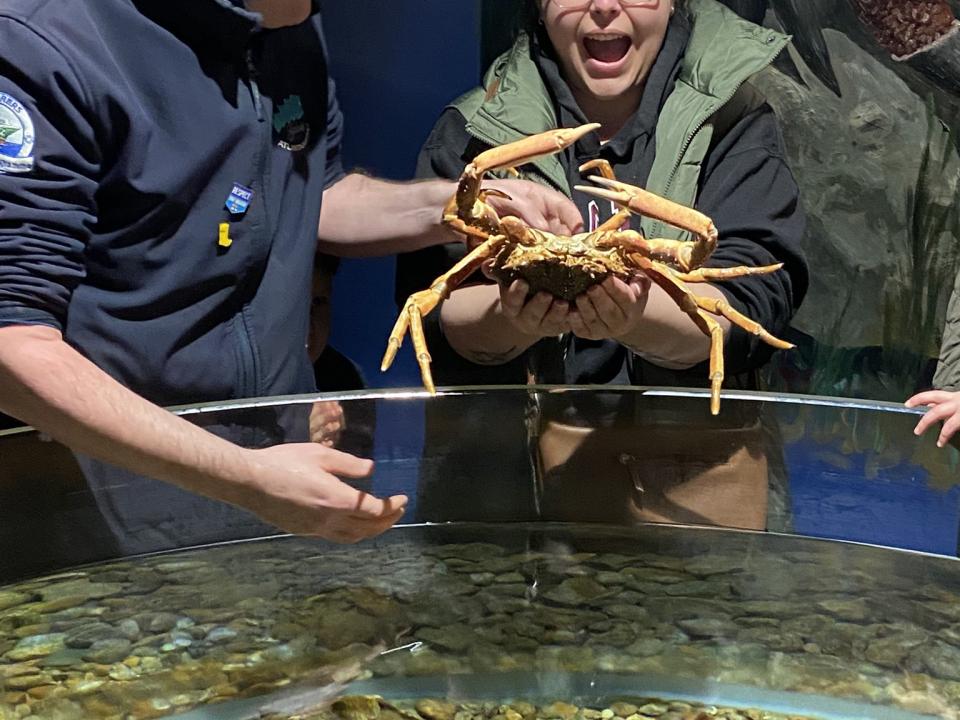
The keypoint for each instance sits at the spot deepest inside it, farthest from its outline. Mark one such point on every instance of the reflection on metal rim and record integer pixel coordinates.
(418, 393)
(453, 391)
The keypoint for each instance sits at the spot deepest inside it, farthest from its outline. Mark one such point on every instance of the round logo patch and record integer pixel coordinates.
(16, 136)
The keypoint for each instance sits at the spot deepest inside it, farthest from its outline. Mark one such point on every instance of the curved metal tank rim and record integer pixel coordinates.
(420, 393)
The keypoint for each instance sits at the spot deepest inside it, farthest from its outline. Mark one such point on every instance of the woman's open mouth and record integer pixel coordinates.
(606, 49)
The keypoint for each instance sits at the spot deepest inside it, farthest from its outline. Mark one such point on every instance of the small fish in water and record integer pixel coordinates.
(316, 691)
(321, 688)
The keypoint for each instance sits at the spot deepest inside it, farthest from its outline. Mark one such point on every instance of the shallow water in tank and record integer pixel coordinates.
(495, 621)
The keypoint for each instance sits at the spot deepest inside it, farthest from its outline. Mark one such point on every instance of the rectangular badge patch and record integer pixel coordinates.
(239, 199)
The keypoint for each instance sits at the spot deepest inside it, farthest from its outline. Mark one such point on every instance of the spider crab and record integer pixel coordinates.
(567, 265)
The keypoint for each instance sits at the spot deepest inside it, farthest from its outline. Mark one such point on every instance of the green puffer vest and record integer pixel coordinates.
(711, 93)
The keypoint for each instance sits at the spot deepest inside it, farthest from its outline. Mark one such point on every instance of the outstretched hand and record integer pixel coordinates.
(944, 405)
(297, 489)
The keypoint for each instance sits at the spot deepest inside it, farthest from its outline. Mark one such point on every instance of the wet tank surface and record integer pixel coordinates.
(503, 621)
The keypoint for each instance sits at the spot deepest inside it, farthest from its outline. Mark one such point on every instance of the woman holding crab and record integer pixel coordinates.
(668, 85)
(654, 76)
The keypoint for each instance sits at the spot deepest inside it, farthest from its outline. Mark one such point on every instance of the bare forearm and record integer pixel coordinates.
(47, 384)
(365, 217)
(475, 327)
(667, 336)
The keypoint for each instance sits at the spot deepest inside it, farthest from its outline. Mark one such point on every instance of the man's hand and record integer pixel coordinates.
(610, 309)
(297, 490)
(943, 406)
(537, 205)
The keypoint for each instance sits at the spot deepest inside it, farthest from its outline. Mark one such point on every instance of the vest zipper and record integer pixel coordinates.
(656, 227)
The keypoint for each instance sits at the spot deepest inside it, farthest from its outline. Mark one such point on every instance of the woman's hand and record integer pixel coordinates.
(542, 315)
(607, 310)
(610, 309)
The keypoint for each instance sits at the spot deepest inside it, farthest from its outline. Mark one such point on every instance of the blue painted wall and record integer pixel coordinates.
(396, 63)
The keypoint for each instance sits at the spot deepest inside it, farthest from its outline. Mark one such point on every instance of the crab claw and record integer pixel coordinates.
(644, 202)
(528, 149)
(493, 192)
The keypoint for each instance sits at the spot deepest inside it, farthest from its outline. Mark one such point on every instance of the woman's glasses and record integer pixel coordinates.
(584, 4)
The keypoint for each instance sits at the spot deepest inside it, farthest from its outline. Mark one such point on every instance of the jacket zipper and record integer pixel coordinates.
(247, 349)
(248, 384)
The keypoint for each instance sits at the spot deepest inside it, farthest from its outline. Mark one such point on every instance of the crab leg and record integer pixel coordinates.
(601, 165)
(616, 221)
(718, 306)
(727, 273)
(421, 303)
(695, 305)
(468, 204)
(528, 149)
(646, 203)
(670, 251)
(687, 301)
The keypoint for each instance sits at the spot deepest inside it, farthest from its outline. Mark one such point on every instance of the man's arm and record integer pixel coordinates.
(363, 216)
(46, 383)
(46, 210)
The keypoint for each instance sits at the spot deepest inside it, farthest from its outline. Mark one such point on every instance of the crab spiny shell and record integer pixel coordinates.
(562, 266)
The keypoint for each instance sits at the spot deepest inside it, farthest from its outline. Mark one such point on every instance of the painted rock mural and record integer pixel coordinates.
(868, 96)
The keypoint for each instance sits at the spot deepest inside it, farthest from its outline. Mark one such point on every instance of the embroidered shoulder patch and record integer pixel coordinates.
(16, 136)
(290, 125)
